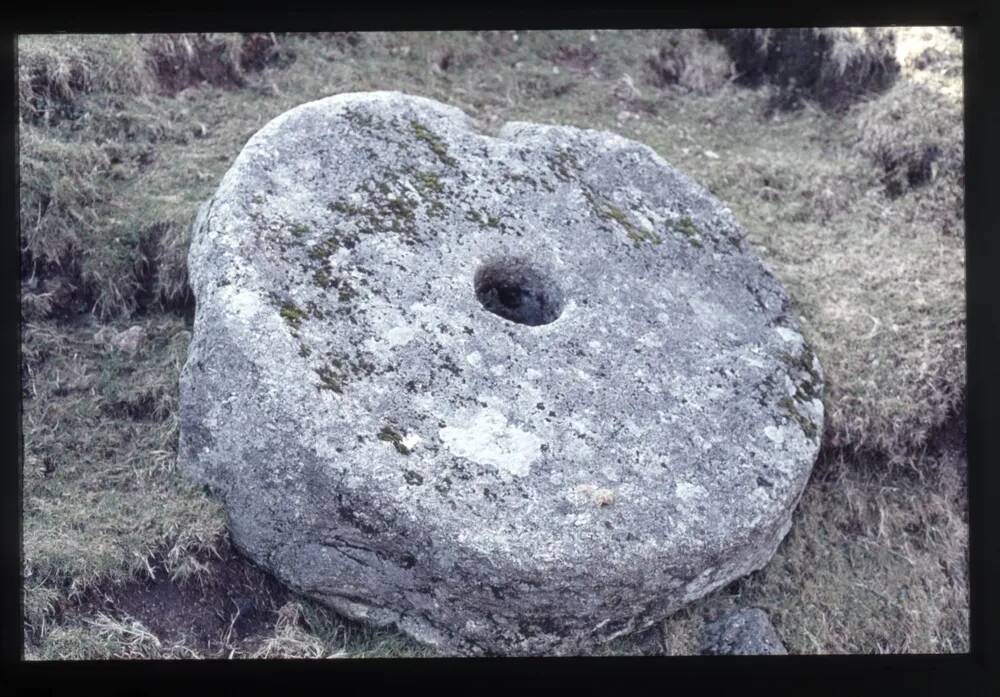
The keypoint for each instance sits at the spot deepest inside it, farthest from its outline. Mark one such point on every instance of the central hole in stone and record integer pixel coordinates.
(518, 291)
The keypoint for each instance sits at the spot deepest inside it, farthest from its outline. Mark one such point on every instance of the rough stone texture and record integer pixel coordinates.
(745, 632)
(385, 443)
(130, 339)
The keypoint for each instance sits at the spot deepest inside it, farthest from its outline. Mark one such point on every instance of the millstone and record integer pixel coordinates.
(519, 393)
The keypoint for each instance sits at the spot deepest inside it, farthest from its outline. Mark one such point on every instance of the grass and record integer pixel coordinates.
(879, 545)
(122, 140)
(53, 71)
(833, 67)
(100, 493)
(105, 203)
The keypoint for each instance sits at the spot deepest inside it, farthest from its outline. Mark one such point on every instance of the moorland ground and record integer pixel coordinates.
(857, 208)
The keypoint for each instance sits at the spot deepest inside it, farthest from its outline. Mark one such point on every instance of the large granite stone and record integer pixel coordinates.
(516, 394)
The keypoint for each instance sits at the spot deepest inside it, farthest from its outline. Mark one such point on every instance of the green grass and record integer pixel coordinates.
(113, 169)
(101, 496)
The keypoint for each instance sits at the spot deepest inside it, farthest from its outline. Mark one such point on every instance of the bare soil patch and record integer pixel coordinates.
(230, 600)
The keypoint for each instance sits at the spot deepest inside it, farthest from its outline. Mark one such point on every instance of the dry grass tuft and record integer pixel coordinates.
(104, 637)
(292, 639)
(833, 66)
(181, 60)
(915, 136)
(105, 216)
(62, 183)
(55, 70)
(94, 237)
(932, 57)
(691, 61)
(81, 250)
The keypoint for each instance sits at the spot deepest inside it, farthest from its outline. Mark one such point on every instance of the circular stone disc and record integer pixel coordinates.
(519, 393)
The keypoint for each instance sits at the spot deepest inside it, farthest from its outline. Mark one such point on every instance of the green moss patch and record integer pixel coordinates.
(687, 228)
(391, 435)
(325, 249)
(293, 315)
(433, 141)
(609, 211)
(428, 182)
(321, 277)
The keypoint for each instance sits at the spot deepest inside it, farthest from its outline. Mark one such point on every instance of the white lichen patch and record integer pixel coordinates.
(750, 360)
(474, 359)
(400, 336)
(411, 441)
(244, 303)
(687, 491)
(529, 397)
(577, 449)
(789, 335)
(582, 424)
(633, 428)
(489, 439)
(431, 314)
(644, 223)
(775, 433)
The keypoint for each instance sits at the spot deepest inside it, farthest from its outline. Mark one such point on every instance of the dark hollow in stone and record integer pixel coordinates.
(519, 292)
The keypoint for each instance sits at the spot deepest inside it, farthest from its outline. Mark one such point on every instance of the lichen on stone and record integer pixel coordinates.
(330, 379)
(345, 291)
(433, 141)
(345, 208)
(429, 182)
(292, 314)
(298, 230)
(609, 211)
(564, 164)
(321, 277)
(808, 427)
(391, 435)
(324, 250)
(687, 228)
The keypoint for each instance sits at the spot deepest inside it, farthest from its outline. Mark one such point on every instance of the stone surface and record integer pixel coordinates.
(517, 393)
(129, 340)
(744, 632)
